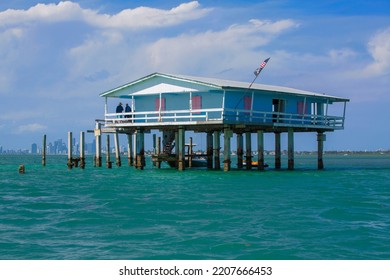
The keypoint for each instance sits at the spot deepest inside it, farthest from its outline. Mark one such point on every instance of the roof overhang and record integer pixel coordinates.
(157, 83)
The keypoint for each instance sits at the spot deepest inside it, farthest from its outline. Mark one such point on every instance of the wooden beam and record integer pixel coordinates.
(140, 150)
(181, 160)
(260, 150)
(209, 150)
(226, 150)
(217, 162)
(117, 150)
(82, 150)
(44, 150)
(108, 151)
(130, 158)
(70, 163)
(278, 162)
(320, 140)
(248, 148)
(240, 150)
(98, 138)
(290, 149)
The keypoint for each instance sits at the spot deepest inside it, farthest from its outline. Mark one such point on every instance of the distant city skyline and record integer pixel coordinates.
(58, 147)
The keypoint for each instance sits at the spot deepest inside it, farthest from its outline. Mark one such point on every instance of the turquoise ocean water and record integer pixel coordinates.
(342, 212)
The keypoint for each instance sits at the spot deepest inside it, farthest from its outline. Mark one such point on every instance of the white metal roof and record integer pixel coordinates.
(213, 83)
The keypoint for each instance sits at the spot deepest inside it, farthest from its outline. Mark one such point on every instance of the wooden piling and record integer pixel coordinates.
(44, 150)
(130, 158)
(278, 163)
(321, 137)
(226, 149)
(181, 160)
(21, 169)
(177, 149)
(117, 150)
(209, 150)
(158, 151)
(70, 145)
(248, 152)
(290, 149)
(140, 150)
(217, 162)
(190, 153)
(98, 137)
(260, 150)
(154, 147)
(108, 151)
(82, 150)
(240, 151)
(134, 150)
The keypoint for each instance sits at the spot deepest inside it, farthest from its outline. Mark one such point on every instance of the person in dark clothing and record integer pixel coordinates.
(128, 110)
(119, 109)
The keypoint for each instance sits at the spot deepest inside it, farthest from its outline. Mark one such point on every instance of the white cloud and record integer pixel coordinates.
(9, 47)
(214, 50)
(270, 27)
(142, 17)
(33, 127)
(63, 11)
(122, 57)
(379, 48)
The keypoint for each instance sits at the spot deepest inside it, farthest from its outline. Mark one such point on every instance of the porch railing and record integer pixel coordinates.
(224, 115)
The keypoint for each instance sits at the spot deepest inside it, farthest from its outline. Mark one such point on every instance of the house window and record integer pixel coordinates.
(302, 108)
(157, 104)
(196, 102)
(247, 102)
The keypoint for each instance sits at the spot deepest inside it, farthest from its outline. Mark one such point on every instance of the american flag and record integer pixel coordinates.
(262, 65)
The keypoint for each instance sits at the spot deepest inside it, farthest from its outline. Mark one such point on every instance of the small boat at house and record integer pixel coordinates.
(256, 164)
(196, 162)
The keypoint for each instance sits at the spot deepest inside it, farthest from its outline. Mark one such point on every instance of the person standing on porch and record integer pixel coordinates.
(128, 110)
(119, 109)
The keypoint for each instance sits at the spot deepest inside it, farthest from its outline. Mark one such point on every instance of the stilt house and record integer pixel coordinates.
(174, 104)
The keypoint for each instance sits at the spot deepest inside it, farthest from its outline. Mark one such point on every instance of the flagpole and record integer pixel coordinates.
(252, 82)
(257, 73)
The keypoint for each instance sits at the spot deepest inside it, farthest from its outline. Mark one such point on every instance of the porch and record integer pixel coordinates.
(156, 119)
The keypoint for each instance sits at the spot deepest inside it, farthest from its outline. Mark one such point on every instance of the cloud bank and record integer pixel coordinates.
(379, 48)
(139, 18)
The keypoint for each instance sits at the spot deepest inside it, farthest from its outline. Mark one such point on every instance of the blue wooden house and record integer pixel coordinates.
(174, 104)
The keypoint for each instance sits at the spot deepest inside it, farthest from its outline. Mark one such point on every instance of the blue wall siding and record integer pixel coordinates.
(235, 100)
(211, 100)
(180, 101)
(262, 103)
(145, 103)
(177, 101)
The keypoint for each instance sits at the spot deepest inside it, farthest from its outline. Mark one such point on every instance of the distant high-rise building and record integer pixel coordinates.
(34, 148)
(90, 148)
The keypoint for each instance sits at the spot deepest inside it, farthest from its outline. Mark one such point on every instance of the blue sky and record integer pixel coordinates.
(56, 57)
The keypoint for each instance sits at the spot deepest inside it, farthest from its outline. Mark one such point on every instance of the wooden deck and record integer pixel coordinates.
(201, 120)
